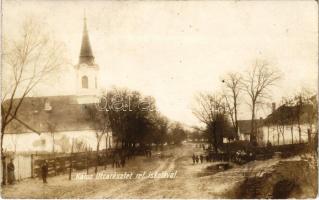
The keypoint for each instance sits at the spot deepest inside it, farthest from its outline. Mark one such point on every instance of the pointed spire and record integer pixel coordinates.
(86, 54)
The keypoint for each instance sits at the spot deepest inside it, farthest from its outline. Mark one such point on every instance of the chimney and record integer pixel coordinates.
(273, 106)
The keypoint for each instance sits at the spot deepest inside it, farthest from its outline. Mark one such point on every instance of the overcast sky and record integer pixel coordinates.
(173, 49)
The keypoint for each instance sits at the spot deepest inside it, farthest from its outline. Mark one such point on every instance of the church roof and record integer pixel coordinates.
(63, 113)
(86, 54)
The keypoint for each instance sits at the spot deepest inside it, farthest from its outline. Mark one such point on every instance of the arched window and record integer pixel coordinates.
(85, 82)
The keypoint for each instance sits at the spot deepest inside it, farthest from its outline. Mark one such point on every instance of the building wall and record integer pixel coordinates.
(273, 134)
(33, 142)
(244, 137)
(92, 74)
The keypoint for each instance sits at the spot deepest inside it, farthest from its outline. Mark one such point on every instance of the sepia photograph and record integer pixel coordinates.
(165, 99)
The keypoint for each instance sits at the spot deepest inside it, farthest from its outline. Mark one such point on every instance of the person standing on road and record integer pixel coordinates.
(123, 161)
(44, 170)
(10, 169)
(194, 158)
(118, 160)
(201, 157)
(197, 159)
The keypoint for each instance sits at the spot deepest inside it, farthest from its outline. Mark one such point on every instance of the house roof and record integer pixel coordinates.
(58, 113)
(288, 114)
(245, 125)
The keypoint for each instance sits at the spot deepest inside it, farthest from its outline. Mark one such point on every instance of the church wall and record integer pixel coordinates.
(23, 142)
(91, 74)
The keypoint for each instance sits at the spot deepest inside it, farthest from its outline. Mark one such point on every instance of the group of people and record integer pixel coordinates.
(197, 159)
(200, 146)
(118, 160)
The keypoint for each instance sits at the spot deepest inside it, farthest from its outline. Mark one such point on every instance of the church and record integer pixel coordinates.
(54, 121)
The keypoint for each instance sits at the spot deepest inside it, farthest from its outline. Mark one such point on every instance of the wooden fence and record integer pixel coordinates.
(61, 163)
(257, 153)
(29, 166)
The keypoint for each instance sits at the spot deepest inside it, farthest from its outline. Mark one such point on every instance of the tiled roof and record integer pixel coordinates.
(63, 113)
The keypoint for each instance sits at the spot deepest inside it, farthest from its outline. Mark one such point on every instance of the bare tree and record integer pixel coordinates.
(305, 105)
(64, 144)
(51, 129)
(233, 86)
(28, 60)
(281, 119)
(211, 110)
(289, 103)
(206, 105)
(312, 115)
(80, 146)
(100, 123)
(298, 112)
(257, 84)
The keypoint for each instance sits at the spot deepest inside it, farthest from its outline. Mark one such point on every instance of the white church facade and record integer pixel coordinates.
(64, 113)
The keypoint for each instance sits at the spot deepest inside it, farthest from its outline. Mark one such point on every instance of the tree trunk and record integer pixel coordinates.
(71, 160)
(97, 157)
(283, 134)
(273, 136)
(278, 134)
(106, 149)
(3, 182)
(252, 132)
(292, 134)
(309, 136)
(87, 160)
(236, 120)
(53, 142)
(299, 130)
(310, 133)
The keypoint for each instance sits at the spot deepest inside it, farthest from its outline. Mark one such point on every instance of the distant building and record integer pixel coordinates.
(63, 116)
(281, 126)
(244, 129)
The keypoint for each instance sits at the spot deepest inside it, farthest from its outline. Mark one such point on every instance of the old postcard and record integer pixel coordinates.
(159, 99)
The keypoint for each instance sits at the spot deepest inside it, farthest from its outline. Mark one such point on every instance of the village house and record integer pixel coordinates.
(282, 127)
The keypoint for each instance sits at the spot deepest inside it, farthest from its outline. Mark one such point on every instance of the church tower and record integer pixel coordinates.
(87, 71)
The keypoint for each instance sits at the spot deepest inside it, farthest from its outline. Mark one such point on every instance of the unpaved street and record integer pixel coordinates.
(191, 181)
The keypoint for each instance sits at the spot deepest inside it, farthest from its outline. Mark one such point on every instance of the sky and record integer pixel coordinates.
(174, 49)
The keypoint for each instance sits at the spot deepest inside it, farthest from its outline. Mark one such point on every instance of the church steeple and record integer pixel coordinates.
(86, 54)
(86, 71)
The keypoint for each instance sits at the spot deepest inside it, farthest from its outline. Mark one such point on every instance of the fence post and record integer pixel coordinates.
(87, 160)
(70, 172)
(32, 170)
(54, 164)
(4, 170)
(106, 137)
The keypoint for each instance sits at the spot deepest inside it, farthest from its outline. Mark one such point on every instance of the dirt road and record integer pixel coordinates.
(191, 181)
(177, 159)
